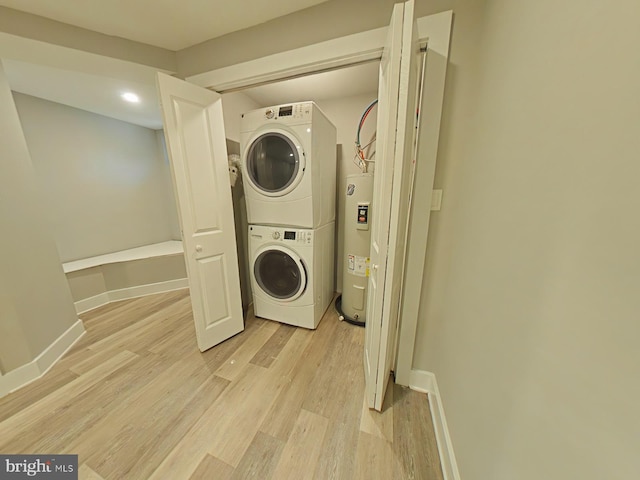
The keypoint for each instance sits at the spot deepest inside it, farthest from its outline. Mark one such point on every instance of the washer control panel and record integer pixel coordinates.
(281, 234)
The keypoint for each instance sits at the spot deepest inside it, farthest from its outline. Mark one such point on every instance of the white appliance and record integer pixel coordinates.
(291, 273)
(357, 240)
(289, 165)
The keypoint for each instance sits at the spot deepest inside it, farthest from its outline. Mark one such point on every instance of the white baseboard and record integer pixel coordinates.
(57, 349)
(90, 303)
(40, 365)
(422, 381)
(96, 301)
(425, 382)
(149, 289)
(18, 377)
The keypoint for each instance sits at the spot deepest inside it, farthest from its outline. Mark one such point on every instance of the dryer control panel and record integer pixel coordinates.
(298, 236)
(298, 111)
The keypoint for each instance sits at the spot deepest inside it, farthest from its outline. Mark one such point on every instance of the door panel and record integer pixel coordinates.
(213, 272)
(395, 136)
(194, 131)
(195, 143)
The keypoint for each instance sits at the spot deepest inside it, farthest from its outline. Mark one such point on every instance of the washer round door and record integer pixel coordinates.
(280, 273)
(274, 163)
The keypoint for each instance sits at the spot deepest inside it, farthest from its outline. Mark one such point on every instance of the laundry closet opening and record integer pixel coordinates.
(343, 95)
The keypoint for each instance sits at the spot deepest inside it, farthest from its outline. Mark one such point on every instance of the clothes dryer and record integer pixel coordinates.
(291, 273)
(289, 165)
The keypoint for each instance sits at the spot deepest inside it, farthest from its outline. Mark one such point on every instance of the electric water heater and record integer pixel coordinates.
(357, 238)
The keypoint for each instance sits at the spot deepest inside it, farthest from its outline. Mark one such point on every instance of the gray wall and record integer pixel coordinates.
(327, 20)
(93, 281)
(105, 182)
(530, 315)
(35, 301)
(529, 306)
(43, 29)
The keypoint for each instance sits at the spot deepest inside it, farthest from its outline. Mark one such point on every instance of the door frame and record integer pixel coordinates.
(435, 31)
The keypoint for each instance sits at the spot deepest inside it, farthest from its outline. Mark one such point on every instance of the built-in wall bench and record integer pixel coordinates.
(136, 272)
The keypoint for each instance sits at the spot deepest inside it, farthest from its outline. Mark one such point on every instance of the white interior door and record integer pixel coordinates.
(194, 130)
(395, 138)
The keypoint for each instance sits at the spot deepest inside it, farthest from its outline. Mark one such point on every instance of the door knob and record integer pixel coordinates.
(374, 266)
(198, 248)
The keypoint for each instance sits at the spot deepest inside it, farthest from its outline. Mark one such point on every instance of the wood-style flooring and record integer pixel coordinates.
(135, 399)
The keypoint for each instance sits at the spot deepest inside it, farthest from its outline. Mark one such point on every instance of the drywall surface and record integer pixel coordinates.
(144, 272)
(332, 19)
(234, 104)
(36, 303)
(530, 310)
(170, 197)
(105, 182)
(86, 283)
(42, 29)
(14, 347)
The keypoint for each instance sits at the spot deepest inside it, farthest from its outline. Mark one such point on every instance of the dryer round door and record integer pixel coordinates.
(274, 163)
(280, 273)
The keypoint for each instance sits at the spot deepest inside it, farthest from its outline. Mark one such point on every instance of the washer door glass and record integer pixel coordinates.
(273, 163)
(279, 274)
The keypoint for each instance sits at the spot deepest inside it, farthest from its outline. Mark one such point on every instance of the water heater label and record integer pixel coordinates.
(362, 221)
(358, 266)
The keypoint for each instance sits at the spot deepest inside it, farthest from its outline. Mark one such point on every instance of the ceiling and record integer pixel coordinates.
(101, 94)
(169, 24)
(95, 93)
(95, 83)
(343, 82)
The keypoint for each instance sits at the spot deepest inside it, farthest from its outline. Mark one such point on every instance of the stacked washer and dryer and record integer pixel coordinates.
(289, 165)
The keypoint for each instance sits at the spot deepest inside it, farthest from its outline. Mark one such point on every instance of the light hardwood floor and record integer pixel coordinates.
(135, 399)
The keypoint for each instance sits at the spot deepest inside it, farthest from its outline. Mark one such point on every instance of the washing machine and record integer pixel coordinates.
(289, 165)
(291, 273)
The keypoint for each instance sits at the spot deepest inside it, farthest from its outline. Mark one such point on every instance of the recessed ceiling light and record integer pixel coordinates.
(130, 97)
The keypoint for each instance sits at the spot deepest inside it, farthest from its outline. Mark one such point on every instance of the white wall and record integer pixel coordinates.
(105, 181)
(45, 30)
(234, 105)
(530, 314)
(172, 209)
(35, 301)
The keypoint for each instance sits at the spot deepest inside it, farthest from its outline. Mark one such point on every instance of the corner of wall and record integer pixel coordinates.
(35, 369)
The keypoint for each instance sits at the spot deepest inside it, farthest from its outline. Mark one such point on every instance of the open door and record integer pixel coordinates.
(194, 130)
(396, 133)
